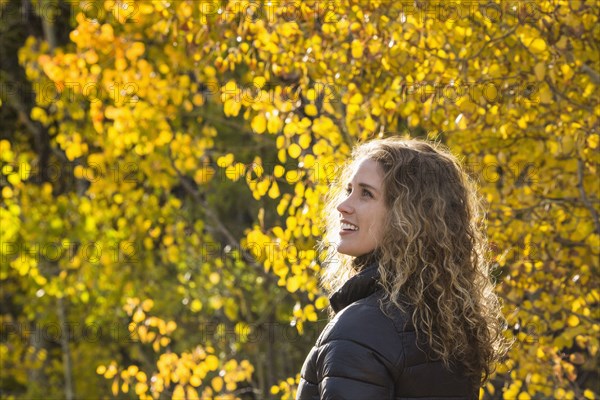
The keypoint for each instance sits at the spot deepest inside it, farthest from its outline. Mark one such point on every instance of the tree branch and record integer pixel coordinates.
(216, 221)
(48, 25)
(584, 198)
(591, 73)
(66, 351)
(40, 137)
(564, 96)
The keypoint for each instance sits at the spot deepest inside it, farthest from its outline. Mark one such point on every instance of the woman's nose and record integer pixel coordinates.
(345, 207)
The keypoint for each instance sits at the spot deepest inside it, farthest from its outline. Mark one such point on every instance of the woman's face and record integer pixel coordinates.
(363, 211)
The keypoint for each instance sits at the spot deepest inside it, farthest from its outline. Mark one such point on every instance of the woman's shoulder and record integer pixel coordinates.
(363, 322)
(370, 309)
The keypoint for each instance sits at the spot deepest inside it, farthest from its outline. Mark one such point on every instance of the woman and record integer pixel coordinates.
(415, 313)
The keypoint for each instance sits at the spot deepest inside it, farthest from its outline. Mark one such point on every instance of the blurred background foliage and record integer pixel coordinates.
(164, 164)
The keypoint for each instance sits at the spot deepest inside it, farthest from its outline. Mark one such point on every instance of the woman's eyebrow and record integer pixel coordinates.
(366, 185)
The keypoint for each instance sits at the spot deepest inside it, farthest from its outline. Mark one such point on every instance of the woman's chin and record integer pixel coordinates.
(347, 251)
(342, 250)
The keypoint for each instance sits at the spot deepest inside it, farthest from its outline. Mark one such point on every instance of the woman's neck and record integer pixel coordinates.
(361, 262)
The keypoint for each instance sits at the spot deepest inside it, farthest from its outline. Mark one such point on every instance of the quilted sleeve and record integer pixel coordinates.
(350, 370)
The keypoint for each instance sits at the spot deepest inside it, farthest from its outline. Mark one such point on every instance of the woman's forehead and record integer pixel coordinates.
(367, 168)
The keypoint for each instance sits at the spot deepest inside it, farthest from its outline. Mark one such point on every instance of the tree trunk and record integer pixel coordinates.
(64, 342)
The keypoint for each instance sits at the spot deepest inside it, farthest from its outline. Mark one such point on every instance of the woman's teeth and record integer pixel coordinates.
(349, 227)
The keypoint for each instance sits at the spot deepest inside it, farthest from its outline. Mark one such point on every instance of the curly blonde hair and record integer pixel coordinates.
(432, 257)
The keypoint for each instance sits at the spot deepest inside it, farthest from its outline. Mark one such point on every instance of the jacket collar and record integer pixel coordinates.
(358, 287)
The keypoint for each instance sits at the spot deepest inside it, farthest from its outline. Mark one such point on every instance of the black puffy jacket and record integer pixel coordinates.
(363, 354)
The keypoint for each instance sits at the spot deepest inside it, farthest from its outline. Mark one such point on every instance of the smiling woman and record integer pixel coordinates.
(415, 315)
(363, 211)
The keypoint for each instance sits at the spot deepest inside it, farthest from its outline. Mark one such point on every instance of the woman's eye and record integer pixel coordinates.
(366, 193)
(348, 190)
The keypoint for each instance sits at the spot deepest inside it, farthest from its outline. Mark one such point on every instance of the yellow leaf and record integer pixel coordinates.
(196, 305)
(132, 370)
(294, 150)
(304, 140)
(192, 394)
(91, 57)
(566, 71)
(135, 50)
(540, 71)
(280, 141)
(593, 140)
(274, 124)
(232, 107)
(494, 71)
(225, 161)
(537, 45)
(7, 192)
(278, 171)
(164, 137)
(38, 114)
(231, 309)
(217, 383)
(138, 316)
(311, 110)
(274, 191)
(262, 187)
(291, 223)
(573, 320)
(370, 124)
(546, 96)
(281, 155)
(141, 376)
(540, 353)
(212, 362)
(147, 304)
(214, 278)
(259, 124)
(357, 48)
(198, 99)
(357, 98)
(195, 381)
(309, 313)
(141, 388)
(292, 284)
(179, 392)
(321, 302)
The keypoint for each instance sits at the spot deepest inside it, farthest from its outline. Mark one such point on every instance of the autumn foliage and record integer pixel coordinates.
(164, 165)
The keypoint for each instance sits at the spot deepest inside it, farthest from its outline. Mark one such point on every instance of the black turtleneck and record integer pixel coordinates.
(361, 285)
